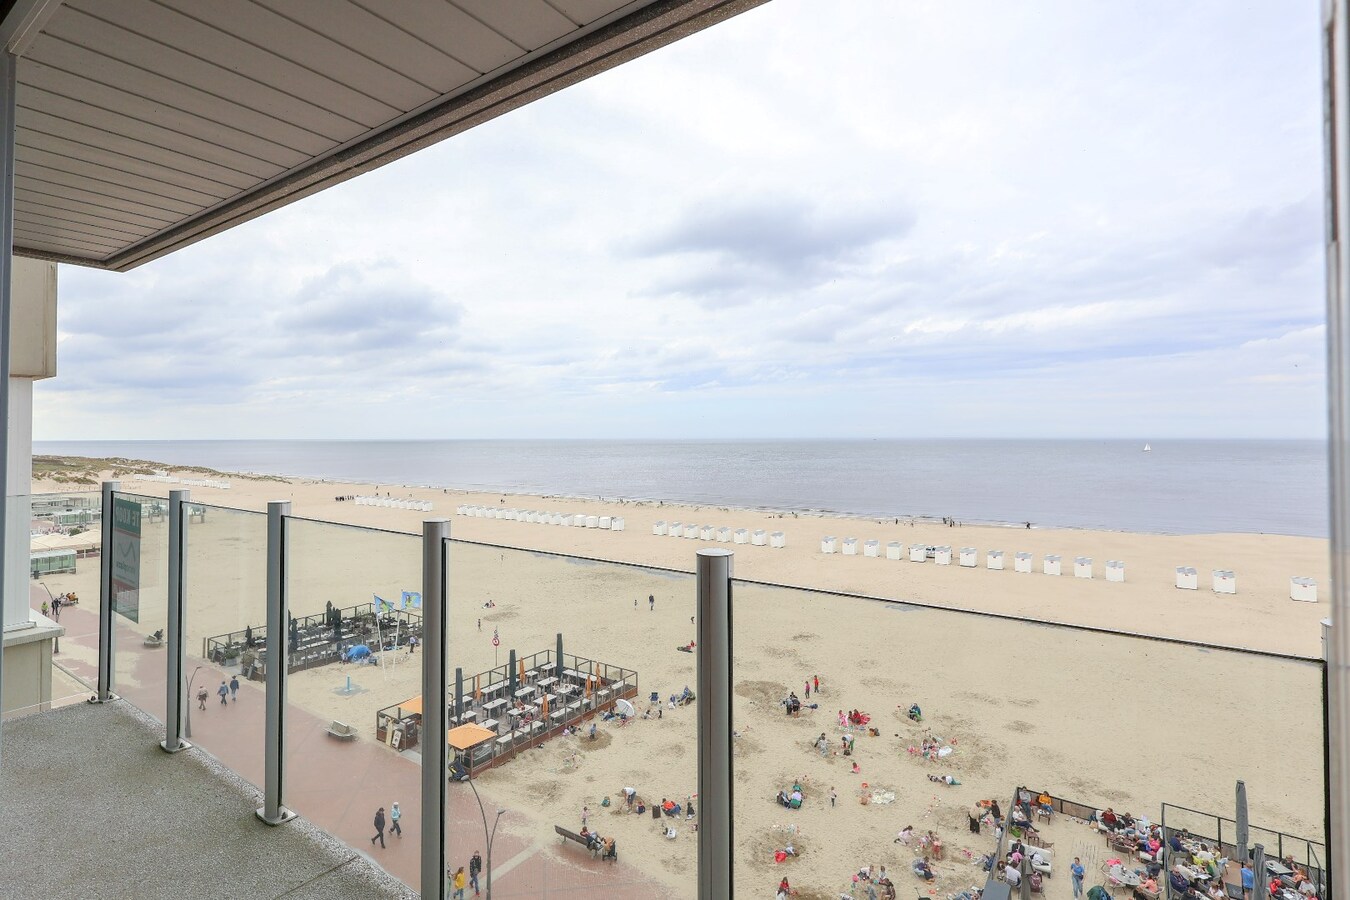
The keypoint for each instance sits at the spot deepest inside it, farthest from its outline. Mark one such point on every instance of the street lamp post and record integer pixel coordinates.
(187, 717)
(490, 836)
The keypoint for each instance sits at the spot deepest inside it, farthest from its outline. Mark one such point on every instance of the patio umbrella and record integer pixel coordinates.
(624, 708)
(477, 694)
(360, 651)
(1242, 826)
(1025, 886)
(522, 672)
(543, 708)
(1259, 870)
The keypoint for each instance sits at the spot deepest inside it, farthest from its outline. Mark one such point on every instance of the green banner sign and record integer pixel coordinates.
(126, 558)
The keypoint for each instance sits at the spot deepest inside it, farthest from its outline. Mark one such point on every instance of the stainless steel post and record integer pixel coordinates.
(8, 84)
(173, 694)
(1336, 130)
(105, 597)
(435, 661)
(714, 724)
(272, 812)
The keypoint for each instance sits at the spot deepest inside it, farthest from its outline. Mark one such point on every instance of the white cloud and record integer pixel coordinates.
(815, 219)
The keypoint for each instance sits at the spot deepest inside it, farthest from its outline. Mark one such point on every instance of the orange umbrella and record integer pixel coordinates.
(588, 685)
(522, 673)
(477, 694)
(543, 708)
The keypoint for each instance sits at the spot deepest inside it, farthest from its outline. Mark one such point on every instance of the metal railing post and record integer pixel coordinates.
(1336, 136)
(272, 812)
(105, 597)
(435, 660)
(715, 838)
(173, 693)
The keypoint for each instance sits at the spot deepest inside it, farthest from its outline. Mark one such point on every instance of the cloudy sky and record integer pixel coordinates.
(867, 219)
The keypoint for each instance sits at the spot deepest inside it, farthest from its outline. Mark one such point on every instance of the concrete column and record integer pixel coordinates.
(18, 507)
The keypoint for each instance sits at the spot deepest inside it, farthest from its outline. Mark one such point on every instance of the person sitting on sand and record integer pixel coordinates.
(905, 835)
(914, 714)
(923, 870)
(948, 780)
(856, 769)
(795, 798)
(843, 719)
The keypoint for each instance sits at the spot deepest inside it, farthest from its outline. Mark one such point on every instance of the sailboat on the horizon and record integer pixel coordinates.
(1148, 449)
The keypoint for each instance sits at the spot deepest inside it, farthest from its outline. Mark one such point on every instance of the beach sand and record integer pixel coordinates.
(1094, 718)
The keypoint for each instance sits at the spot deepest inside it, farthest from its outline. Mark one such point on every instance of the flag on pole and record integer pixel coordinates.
(496, 641)
(411, 600)
(382, 605)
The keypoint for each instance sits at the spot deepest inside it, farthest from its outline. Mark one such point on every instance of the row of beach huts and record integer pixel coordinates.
(1223, 581)
(542, 517)
(757, 538)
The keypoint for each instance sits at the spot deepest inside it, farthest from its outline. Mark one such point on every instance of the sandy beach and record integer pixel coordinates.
(1095, 718)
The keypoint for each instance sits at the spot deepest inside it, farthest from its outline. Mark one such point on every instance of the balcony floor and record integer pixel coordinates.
(90, 807)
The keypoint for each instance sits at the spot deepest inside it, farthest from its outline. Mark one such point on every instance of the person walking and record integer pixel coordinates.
(223, 691)
(394, 815)
(480, 624)
(815, 683)
(379, 827)
(634, 603)
(201, 698)
(458, 884)
(1076, 873)
(234, 687)
(808, 690)
(585, 814)
(833, 795)
(651, 602)
(476, 866)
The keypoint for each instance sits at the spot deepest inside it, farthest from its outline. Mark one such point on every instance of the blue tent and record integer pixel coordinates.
(360, 651)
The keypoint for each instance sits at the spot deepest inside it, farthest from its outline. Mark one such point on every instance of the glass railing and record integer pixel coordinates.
(140, 599)
(63, 531)
(224, 620)
(1098, 719)
(354, 692)
(592, 740)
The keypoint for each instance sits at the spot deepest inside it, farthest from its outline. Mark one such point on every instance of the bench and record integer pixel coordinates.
(576, 838)
(342, 731)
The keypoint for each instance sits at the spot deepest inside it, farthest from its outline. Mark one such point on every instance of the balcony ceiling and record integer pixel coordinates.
(146, 125)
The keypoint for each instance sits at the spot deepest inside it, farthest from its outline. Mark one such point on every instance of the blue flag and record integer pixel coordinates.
(410, 600)
(382, 605)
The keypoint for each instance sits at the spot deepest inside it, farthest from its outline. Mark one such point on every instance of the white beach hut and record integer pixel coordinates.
(659, 527)
(692, 532)
(461, 510)
(1023, 561)
(616, 523)
(942, 556)
(895, 550)
(740, 536)
(581, 521)
(827, 544)
(918, 553)
(1187, 578)
(724, 534)
(1115, 570)
(605, 522)
(592, 521)
(676, 530)
(777, 540)
(759, 537)
(994, 560)
(1225, 582)
(1082, 567)
(1051, 564)
(970, 557)
(568, 521)
(1304, 589)
(707, 532)
(872, 548)
(850, 546)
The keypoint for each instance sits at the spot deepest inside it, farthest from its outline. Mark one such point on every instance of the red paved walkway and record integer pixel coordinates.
(339, 785)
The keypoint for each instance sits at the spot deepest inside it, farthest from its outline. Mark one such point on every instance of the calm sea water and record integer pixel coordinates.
(1180, 487)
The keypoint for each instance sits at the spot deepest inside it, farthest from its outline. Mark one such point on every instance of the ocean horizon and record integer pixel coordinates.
(1178, 487)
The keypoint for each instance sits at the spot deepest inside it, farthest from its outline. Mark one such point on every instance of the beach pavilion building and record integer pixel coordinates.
(132, 128)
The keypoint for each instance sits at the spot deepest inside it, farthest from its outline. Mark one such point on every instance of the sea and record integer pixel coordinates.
(1176, 487)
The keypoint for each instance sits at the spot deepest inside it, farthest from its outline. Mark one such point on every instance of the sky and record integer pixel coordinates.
(815, 220)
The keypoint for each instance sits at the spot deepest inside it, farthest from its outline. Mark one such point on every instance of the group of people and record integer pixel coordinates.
(791, 799)
(228, 690)
(607, 847)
